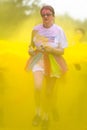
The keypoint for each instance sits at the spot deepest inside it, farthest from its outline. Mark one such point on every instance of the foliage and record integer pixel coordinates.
(15, 10)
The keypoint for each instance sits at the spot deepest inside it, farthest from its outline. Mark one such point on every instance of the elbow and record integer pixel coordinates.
(62, 52)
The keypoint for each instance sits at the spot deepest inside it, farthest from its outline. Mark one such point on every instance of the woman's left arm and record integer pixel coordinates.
(55, 51)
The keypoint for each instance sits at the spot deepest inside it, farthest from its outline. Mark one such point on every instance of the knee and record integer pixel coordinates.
(38, 88)
(48, 93)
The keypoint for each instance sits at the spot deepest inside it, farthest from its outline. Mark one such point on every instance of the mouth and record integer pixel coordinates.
(46, 19)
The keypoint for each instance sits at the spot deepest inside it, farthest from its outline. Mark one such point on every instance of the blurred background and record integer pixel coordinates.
(17, 18)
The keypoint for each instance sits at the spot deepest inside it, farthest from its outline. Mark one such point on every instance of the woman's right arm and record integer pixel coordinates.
(31, 50)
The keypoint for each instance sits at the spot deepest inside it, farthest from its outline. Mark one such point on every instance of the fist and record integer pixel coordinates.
(48, 49)
(31, 51)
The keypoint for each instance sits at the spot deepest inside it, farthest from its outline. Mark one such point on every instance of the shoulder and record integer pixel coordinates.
(58, 28)
(37, 27)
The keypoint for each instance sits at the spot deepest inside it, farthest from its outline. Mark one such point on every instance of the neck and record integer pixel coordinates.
(47, 25)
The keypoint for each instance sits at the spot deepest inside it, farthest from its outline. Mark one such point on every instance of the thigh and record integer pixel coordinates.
(50, 84)
(38, 79)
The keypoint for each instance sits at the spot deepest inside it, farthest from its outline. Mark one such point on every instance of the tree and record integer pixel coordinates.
(19, 7)
(13, 12)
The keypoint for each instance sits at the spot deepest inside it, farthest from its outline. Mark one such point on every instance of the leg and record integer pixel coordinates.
(48, 97)
(50, 83)
(38, 79)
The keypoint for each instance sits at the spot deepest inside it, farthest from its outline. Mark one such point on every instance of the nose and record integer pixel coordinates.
(45, 16)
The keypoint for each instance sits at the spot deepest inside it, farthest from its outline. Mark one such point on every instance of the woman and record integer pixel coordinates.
(46, 50)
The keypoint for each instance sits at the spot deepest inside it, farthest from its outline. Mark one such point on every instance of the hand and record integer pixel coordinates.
(41, 48)
(31, 51)
(48, 49)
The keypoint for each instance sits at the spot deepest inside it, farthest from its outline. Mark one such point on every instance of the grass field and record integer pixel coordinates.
(17, 92)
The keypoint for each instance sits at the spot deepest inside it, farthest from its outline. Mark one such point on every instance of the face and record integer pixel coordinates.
(47, 17)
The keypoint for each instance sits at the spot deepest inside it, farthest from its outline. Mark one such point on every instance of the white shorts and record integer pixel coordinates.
(39, 66)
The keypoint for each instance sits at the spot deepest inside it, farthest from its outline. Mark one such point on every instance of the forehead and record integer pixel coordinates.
(46, 11)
